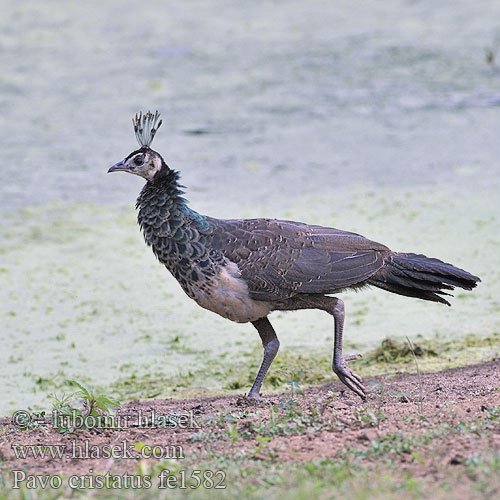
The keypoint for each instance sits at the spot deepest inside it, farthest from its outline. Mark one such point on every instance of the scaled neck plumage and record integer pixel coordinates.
(165, 191)
(164, 213)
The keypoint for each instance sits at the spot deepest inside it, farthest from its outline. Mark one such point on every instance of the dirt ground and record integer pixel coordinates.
(456, 421)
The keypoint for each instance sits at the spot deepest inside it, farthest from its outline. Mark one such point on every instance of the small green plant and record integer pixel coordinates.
(492, 414)
(286, 419)
(263, 450)
(203, 437)
(94, 401)
(391, 444)
(483, 466)
(62, 401)
(232, 431)
(95, 410)
(327, 402)
(369, 416)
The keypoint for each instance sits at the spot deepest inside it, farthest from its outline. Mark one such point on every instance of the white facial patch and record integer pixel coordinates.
(155, 168)
(148, 169)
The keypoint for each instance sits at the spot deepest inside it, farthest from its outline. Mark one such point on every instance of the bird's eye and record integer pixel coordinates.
(139, 160)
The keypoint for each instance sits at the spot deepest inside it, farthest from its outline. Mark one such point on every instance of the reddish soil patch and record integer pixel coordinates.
(310, 426)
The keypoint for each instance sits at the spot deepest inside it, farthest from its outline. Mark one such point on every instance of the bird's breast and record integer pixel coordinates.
(227, 294)
(206, 276)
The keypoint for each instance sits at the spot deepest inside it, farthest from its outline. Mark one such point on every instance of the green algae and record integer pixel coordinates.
(371, 127)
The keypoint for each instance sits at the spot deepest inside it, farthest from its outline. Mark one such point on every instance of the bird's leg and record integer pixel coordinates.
(271, 345)
(335, 307)
(339, 363)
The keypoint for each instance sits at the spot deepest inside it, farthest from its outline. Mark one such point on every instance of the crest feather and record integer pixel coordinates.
(145, 127)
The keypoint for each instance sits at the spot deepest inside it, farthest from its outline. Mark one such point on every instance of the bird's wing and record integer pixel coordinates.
(279, 259)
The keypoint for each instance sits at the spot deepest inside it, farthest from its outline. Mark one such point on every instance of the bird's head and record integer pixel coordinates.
(143, 161)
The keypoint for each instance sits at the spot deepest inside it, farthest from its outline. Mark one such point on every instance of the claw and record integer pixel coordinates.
(348, 377)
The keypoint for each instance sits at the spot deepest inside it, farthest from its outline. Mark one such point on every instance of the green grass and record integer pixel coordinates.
(342, 478)
(307, 368)
(225, 375)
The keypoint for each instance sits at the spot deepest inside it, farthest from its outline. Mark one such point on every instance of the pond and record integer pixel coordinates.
(381, 119)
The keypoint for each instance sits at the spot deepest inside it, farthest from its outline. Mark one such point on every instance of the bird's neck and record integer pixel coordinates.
(164, 194)
(179, 236)
(164, 213)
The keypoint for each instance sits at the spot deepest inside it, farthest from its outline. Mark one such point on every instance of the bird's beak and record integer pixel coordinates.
(120, 166)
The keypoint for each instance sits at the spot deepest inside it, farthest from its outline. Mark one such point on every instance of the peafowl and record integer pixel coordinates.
(243, 269)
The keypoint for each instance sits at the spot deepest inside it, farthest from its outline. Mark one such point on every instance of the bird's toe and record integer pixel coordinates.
(351, 357)
(349, 378)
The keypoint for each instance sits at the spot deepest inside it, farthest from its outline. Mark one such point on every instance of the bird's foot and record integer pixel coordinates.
(252, 399)
(255, 396)
(347, 376)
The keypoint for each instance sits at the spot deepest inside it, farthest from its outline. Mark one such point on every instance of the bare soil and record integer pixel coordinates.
(321, 422)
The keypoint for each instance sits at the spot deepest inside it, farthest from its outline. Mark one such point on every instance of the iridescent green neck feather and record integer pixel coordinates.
(178, 235)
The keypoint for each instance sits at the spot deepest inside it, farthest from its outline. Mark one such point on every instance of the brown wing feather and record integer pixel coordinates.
(279, 259)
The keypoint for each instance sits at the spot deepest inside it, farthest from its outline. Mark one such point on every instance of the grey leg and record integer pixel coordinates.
(335, 307)
(339, 363)
(271, 345)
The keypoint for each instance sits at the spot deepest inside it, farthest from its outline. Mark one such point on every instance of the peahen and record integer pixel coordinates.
(243, 269)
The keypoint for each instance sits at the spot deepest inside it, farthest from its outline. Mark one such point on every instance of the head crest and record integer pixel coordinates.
(145, 127)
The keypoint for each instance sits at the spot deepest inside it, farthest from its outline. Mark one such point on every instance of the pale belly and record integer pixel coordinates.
(228, 296)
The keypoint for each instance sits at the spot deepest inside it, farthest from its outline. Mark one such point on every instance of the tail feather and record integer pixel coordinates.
(422, 277)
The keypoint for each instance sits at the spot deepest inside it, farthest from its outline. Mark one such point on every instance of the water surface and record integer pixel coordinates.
(381, 119)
